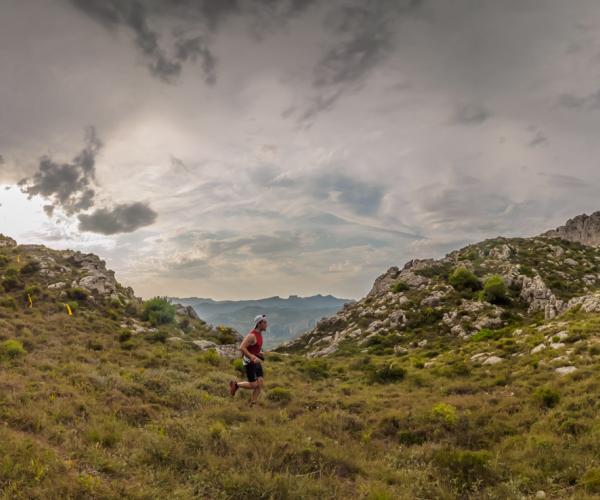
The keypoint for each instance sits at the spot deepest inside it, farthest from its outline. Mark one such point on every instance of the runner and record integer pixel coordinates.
(251, 348)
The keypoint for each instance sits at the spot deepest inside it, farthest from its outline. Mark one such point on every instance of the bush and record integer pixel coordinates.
(226, 335)
(238, 365)
(494, 290)
(467, 469)
(124, 335)
(445, 413)
(279, 395)
(387, 373)
(548, 398)
(211, 357)
(315, 369)
(77, 293)
(31, 267)
(400, 286)
(463, 279)
(591, 481)
(158, 311)
(12, 349)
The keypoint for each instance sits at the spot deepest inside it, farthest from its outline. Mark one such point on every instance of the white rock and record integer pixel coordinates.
(557, 345)
(493, 360)
(423, 343)
(204, 344)
(540, 494)
(57, 286)
(565, 370)
(538, 348)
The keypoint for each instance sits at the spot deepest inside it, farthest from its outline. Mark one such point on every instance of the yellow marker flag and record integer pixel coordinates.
(30, 301)
(18, 259)
(69, 312)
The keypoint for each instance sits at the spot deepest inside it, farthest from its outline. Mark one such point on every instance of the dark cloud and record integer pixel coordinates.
(124, 218)
(197, 21)
(361, 197)
(67, 185)
(538, 139)
(364, 36)
(591, 101)
(470, 114)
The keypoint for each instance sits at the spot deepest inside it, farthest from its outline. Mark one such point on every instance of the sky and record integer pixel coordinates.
(249, 148)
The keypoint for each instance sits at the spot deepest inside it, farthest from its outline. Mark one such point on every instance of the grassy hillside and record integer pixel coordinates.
(105, 404)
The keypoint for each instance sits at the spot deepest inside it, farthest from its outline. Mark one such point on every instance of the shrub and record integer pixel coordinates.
(8, 302)
(4, 260)
(467, 469)
(387, 373)
(32, 290)
(226, 335)
(124, 335)
(548, 398)
(31, 267)
(400, 286)
(494, 290)
(158, 336)
(217, 430)
(211, 357)
(238, 365)
(445, 413)
(463, 279)
(158, 311)
(11, 279)
(12, 349)
(77, 293)
(315, 369)
(591, 481)
(279, 395)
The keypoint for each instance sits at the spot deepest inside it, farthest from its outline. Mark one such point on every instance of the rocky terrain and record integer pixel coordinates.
(54, 278)
(413, 307)
(583, 229)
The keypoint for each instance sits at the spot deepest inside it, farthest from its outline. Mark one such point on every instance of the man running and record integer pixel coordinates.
(252, 358)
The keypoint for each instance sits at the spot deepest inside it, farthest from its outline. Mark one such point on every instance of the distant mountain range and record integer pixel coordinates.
(288, 318)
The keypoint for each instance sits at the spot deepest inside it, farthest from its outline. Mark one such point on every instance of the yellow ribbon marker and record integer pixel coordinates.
(30, 301)
(18, 259)
(69, 312)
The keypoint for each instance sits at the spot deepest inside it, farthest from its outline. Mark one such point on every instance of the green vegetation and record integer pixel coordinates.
(158, 311)
(462, 279)
(400, 286)
(494, 290)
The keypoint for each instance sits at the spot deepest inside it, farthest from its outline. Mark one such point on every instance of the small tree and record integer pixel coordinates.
(463, 279)
(158, 311)
(494, 290)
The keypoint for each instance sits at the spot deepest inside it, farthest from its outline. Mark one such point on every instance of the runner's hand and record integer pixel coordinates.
(256, 359)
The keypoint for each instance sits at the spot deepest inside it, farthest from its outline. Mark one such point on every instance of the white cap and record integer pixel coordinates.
(259, 318)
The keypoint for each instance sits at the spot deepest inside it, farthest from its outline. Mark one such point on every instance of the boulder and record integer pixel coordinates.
(565, 370)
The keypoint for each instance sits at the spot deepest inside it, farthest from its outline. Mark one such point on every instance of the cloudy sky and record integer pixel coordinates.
(249, 148)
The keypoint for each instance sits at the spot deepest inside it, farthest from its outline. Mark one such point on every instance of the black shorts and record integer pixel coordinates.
(253, 371)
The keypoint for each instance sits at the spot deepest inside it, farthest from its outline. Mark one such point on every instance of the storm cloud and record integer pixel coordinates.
(124, 218)
(287, 146)
(67, 185)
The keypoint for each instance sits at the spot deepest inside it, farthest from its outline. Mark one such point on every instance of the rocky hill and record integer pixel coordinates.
(491, 289)
(54, 284)
(583, 229)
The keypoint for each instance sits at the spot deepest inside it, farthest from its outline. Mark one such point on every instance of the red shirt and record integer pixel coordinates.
(257, 346)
